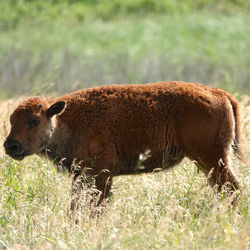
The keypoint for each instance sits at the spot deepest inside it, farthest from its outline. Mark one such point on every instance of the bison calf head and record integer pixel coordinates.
(31, 126)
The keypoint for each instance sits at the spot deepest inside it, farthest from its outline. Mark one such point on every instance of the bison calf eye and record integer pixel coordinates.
(34, 122)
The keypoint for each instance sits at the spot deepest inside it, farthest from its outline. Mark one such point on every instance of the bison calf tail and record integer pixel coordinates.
(236, 142)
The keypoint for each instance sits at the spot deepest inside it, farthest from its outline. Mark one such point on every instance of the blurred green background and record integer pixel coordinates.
(57, 46)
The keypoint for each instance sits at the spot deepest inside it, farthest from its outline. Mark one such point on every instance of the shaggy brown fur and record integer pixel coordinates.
(113, 125)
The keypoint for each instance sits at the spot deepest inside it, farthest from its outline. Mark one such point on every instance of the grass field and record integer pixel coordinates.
(54, 51)
(57, 46)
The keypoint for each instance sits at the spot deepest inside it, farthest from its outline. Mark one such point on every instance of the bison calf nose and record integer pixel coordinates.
(12, 147)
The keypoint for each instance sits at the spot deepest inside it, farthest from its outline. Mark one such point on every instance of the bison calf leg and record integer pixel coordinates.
(221, 177)
(97, 180)
(80, 192)
(92, 192)
(103, 184)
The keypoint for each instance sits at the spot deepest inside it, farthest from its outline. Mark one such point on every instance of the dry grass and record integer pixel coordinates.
(175, 209)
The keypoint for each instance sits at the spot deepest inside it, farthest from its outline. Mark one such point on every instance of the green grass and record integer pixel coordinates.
(46, 47)
(15, 13)
(175, 209)
(61, 58)
(55, 46)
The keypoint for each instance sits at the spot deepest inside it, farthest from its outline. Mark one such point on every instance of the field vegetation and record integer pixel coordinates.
(47, 47)
(52, 47)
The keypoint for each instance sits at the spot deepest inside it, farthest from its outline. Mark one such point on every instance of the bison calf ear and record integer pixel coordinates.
(56, 108)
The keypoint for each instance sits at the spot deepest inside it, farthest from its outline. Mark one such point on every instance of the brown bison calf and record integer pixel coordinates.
(113, 125)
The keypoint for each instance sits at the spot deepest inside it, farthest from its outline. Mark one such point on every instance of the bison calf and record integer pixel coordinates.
(113, 125)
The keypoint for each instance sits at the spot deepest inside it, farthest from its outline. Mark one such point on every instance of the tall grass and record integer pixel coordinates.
(59, 46)
(175, 209)
(16, 13)
(53, 58)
